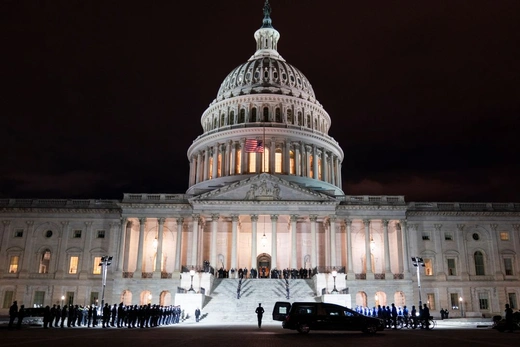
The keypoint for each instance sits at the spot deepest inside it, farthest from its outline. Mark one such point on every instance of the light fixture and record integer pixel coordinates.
(192, 273)
(372, 245)
(264, 238)
(154, 243)
(418, 262)
(461, 308)
(334, 274)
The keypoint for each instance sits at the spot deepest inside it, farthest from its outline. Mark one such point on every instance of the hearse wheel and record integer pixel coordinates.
(303, 328)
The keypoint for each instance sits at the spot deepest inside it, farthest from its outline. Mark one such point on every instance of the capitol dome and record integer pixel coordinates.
(269, 102)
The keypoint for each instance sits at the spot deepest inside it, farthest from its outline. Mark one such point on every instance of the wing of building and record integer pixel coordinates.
(264, 193)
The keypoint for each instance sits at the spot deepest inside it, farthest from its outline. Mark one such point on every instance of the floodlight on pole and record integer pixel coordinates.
(105, 262)
(192, 273)
(418, 262)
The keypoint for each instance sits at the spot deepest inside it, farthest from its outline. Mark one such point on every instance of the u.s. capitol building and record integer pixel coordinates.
(265, 192)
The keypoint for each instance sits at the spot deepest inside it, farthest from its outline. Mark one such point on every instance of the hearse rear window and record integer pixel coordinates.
(305, 310)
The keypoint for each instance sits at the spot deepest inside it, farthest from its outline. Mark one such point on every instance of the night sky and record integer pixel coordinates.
(101, 98)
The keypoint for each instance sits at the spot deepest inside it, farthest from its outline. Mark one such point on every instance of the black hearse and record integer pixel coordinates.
(306, 316)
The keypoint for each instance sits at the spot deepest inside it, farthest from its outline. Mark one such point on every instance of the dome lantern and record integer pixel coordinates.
(267, 37)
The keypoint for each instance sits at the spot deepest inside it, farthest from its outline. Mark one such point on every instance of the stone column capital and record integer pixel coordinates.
(254, 218)
(161, 221)
(385, 222)
(215, 217)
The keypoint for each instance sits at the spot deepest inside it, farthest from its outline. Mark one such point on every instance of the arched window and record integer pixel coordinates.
(278, 115)
(361, 299)
(45, 260)
(479, 263)
(232, 118)
(215, 120)
(266, 114)
(242, 118)
(289, 116)
(309, 124)
(238, 161)
(253, 115)
(300, 119)
(222, 119)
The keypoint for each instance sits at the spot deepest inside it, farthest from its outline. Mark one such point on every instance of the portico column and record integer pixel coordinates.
(274, 250)
(313, 219)
(272, 152)
(194, 237)
(139, 266)
(314, 162)
(178, 244)
(199, 167)
(122, 238)
(254, 220)
(158, 257)
(333, 169)
(339, 183)
(368, 254)
(303, 158)
(286, 157)
(213, 249)
(231, 153)
(406, 261)
(350, 268)
(215, 161)
(324, 167)
(388, 268)
(297, 161)
(206, 164)
(243, 163)
(234, 241)
(294, 219)
(333, 260)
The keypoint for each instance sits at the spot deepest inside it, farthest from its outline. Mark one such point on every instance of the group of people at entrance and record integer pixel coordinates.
(265, 272)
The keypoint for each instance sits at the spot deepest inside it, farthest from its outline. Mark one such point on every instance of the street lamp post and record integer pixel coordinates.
(192, 273)
(105, 262)
(461, 308)
(62, 299)
(334, 274)
(418, 262)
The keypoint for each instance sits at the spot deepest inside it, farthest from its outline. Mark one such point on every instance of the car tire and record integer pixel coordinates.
(370, 329)
(303, 328)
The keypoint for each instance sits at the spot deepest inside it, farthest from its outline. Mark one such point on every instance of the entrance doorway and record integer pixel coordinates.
(263, 262)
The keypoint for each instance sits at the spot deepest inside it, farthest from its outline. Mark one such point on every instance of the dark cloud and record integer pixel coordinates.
(104, 98)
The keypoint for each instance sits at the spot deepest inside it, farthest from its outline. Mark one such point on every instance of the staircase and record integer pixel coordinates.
(224, 307)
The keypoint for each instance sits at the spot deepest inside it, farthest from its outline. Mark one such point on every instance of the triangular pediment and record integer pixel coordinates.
(263, 187)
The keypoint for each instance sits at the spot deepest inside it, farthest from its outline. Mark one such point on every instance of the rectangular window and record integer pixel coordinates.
(8, 298)
(101, 234)
(452, 271)
(73, 265)
(39, 297)
(426, 236)
(278, 162)
(483, 301)
(508, 266)
(454, 300)
(18, 233)
(97, 267)
(252, 162)
(512, 300)
(431, 301)
(13, 264)
(76, 234)
(504, 236)
(238, 161)
(448, 237)
(428, 267)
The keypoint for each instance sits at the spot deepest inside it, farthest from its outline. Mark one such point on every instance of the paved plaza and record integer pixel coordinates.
(203, 334)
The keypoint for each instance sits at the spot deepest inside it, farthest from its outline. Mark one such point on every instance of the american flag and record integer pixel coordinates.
(254, 146)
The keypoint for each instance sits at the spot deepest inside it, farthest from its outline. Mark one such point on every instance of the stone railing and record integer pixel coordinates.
(372, 199)
(463, 206)
(398, 276)
(361, 276)
(157, 198)
(166, 275)
(379, 276)
(127, 274)
(63, 203)
(147, 275)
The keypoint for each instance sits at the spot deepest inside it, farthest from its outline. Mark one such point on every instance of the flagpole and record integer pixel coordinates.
(264, 144)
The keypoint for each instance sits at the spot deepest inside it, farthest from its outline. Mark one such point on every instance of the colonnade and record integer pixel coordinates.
(283, 157)
(331, 223)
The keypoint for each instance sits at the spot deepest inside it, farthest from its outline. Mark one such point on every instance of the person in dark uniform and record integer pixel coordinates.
(394, 316)
(509, 318)
(425, 316)
(197, 314)
(259, 313)
(21, 314)
(13, 313)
